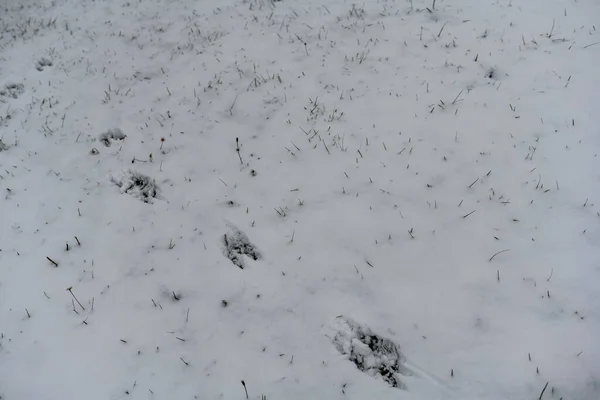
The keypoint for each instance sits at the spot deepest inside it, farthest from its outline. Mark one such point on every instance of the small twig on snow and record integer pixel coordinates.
(70, 290)
(543, 390)
(245, 389)
(501, 251)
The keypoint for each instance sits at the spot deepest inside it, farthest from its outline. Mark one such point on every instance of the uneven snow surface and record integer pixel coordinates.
(322, 199)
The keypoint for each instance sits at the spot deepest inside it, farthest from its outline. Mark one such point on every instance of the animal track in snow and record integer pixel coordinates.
(236, 244)
(138, 185)
(372, 354)
(13, 90)
(43, 62)
(111, 135)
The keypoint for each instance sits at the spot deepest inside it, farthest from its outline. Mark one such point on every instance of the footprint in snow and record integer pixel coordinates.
(372, 354)
(43, 62)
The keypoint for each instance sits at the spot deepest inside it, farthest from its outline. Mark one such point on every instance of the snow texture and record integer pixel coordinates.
(217, 181)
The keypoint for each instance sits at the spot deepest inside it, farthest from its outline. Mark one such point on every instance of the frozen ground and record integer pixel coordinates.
(326, 200)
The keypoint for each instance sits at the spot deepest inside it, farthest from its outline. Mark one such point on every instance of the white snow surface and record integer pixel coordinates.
(430, 173)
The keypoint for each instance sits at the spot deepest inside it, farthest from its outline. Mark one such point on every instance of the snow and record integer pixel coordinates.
(428, 173)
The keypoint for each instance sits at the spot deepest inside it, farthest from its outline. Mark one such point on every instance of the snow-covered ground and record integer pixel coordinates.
(320, 198)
